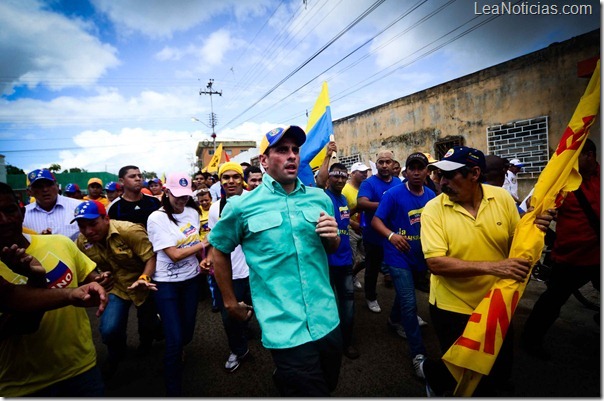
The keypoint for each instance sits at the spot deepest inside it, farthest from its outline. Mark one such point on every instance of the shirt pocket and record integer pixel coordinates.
(267, 229)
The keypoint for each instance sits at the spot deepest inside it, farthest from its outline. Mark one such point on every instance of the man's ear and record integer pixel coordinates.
(263, 160)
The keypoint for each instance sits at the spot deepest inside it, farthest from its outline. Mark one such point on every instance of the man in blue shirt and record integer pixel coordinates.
(285, 230)
(340, 262)
(369, 197)
(398, 220)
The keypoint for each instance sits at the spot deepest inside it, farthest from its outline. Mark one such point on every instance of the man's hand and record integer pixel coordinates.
(331, 147)
(106, 280)
(400, 243)
(26, 265)
(543, 220)
(512, 268)
(327, 226)
(46, 231)
(91, 294)
(240, 311)
(142, 285)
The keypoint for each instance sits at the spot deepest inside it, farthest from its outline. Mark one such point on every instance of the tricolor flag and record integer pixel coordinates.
(474, 353)
(318, 130)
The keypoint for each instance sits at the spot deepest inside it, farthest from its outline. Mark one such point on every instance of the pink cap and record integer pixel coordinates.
(179, 184)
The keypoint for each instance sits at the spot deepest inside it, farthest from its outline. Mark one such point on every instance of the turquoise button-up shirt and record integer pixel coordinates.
(289, 275)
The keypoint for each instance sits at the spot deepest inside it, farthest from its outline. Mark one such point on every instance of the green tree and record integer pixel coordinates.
(147, 175)
(13, 170)
(75, 170)
(55, 168)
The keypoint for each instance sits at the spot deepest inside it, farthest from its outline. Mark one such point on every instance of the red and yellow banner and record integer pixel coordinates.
(474, 353)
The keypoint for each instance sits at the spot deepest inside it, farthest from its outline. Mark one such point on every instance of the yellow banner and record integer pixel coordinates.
(474, 353)
(212, 166)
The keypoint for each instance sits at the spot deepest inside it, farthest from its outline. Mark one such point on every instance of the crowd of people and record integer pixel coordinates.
(269, 248)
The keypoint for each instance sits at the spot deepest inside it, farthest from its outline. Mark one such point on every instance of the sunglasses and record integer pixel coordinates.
(449, 175)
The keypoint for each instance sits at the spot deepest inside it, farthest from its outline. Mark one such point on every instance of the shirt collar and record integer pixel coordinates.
(272, 185)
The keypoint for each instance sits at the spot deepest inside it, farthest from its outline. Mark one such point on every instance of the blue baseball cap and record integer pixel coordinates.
(72, 188)
(272, 137)
(461, 156)
(40, 174)
(89, 210)
(112, 186)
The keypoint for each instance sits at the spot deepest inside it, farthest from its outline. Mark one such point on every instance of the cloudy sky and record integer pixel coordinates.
(98, 84)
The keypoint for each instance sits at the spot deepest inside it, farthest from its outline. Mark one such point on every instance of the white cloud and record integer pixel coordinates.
(161, 19)
(39, 47)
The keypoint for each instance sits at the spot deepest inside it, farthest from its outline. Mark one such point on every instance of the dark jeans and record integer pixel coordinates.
(374, 255)
(177, 305)
(563, 281)
(114, 323)
(448, 326)
(87, 384)
(311, 369)
(235, 329)
(340, 278)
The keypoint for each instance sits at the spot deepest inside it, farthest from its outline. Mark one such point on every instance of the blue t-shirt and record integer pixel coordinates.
(400, 211)
(373, 188)
(343, 256)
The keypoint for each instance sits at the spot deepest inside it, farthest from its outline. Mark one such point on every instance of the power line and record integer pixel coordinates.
(352, 24)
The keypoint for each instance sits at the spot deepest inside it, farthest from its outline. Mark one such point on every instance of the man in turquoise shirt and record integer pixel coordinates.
(285, 230)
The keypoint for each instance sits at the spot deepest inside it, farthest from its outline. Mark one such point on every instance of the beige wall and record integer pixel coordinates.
(543, 83)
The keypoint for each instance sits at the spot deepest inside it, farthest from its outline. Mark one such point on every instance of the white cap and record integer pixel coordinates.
(358, 166)
(516, 162)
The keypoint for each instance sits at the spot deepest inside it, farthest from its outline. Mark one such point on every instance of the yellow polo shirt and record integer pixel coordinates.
(102, 199)
(124, 253)
(449, 230)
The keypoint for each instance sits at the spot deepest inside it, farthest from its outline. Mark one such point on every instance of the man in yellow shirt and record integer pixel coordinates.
(466, 237)
(358, 174)
(95, 191)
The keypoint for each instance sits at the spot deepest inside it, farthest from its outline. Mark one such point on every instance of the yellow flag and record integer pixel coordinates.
(212, 166)
(474, 353)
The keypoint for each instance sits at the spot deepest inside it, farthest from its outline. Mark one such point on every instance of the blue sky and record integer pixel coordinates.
(100, 84)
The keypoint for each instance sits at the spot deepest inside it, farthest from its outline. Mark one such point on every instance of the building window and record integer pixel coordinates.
(442, 146)
(229, 152)
(211, 152)
(526, 140)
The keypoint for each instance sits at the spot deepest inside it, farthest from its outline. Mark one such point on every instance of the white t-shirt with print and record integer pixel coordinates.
(239, 265)
(163, 234)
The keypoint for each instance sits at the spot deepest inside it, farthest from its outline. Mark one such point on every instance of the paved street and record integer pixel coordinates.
(384, 368)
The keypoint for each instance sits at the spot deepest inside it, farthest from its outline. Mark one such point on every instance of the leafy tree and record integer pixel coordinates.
(13, 170)
(75, 170)
(55, 168)
(147, 175)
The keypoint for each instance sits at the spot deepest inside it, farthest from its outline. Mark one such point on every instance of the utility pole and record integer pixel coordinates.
(212, 118)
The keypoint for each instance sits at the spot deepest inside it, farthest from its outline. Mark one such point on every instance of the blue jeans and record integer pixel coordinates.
(114, 322)
(340, 278)
(235, 329)
(177, 306)
(404, 309)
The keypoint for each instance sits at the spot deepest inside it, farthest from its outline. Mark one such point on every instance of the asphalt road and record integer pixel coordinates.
(384, 367)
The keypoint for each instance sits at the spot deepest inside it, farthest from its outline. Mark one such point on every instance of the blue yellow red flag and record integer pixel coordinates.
(318, 130)
(474, 353)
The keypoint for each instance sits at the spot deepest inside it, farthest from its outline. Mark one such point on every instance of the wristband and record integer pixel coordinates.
(145, 278)
(390, 235)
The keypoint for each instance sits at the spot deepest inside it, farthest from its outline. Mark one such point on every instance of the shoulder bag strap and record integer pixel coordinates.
(593, 219)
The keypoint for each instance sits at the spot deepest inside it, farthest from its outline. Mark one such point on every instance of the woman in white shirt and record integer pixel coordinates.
(174, 233)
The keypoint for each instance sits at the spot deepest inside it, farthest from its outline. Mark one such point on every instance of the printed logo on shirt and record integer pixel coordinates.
(344, 212)
(188, 230)
(60, 276)
(415, 215)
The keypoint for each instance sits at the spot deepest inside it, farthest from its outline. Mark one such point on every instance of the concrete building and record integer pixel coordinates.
(516, 109)
(205, 150)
